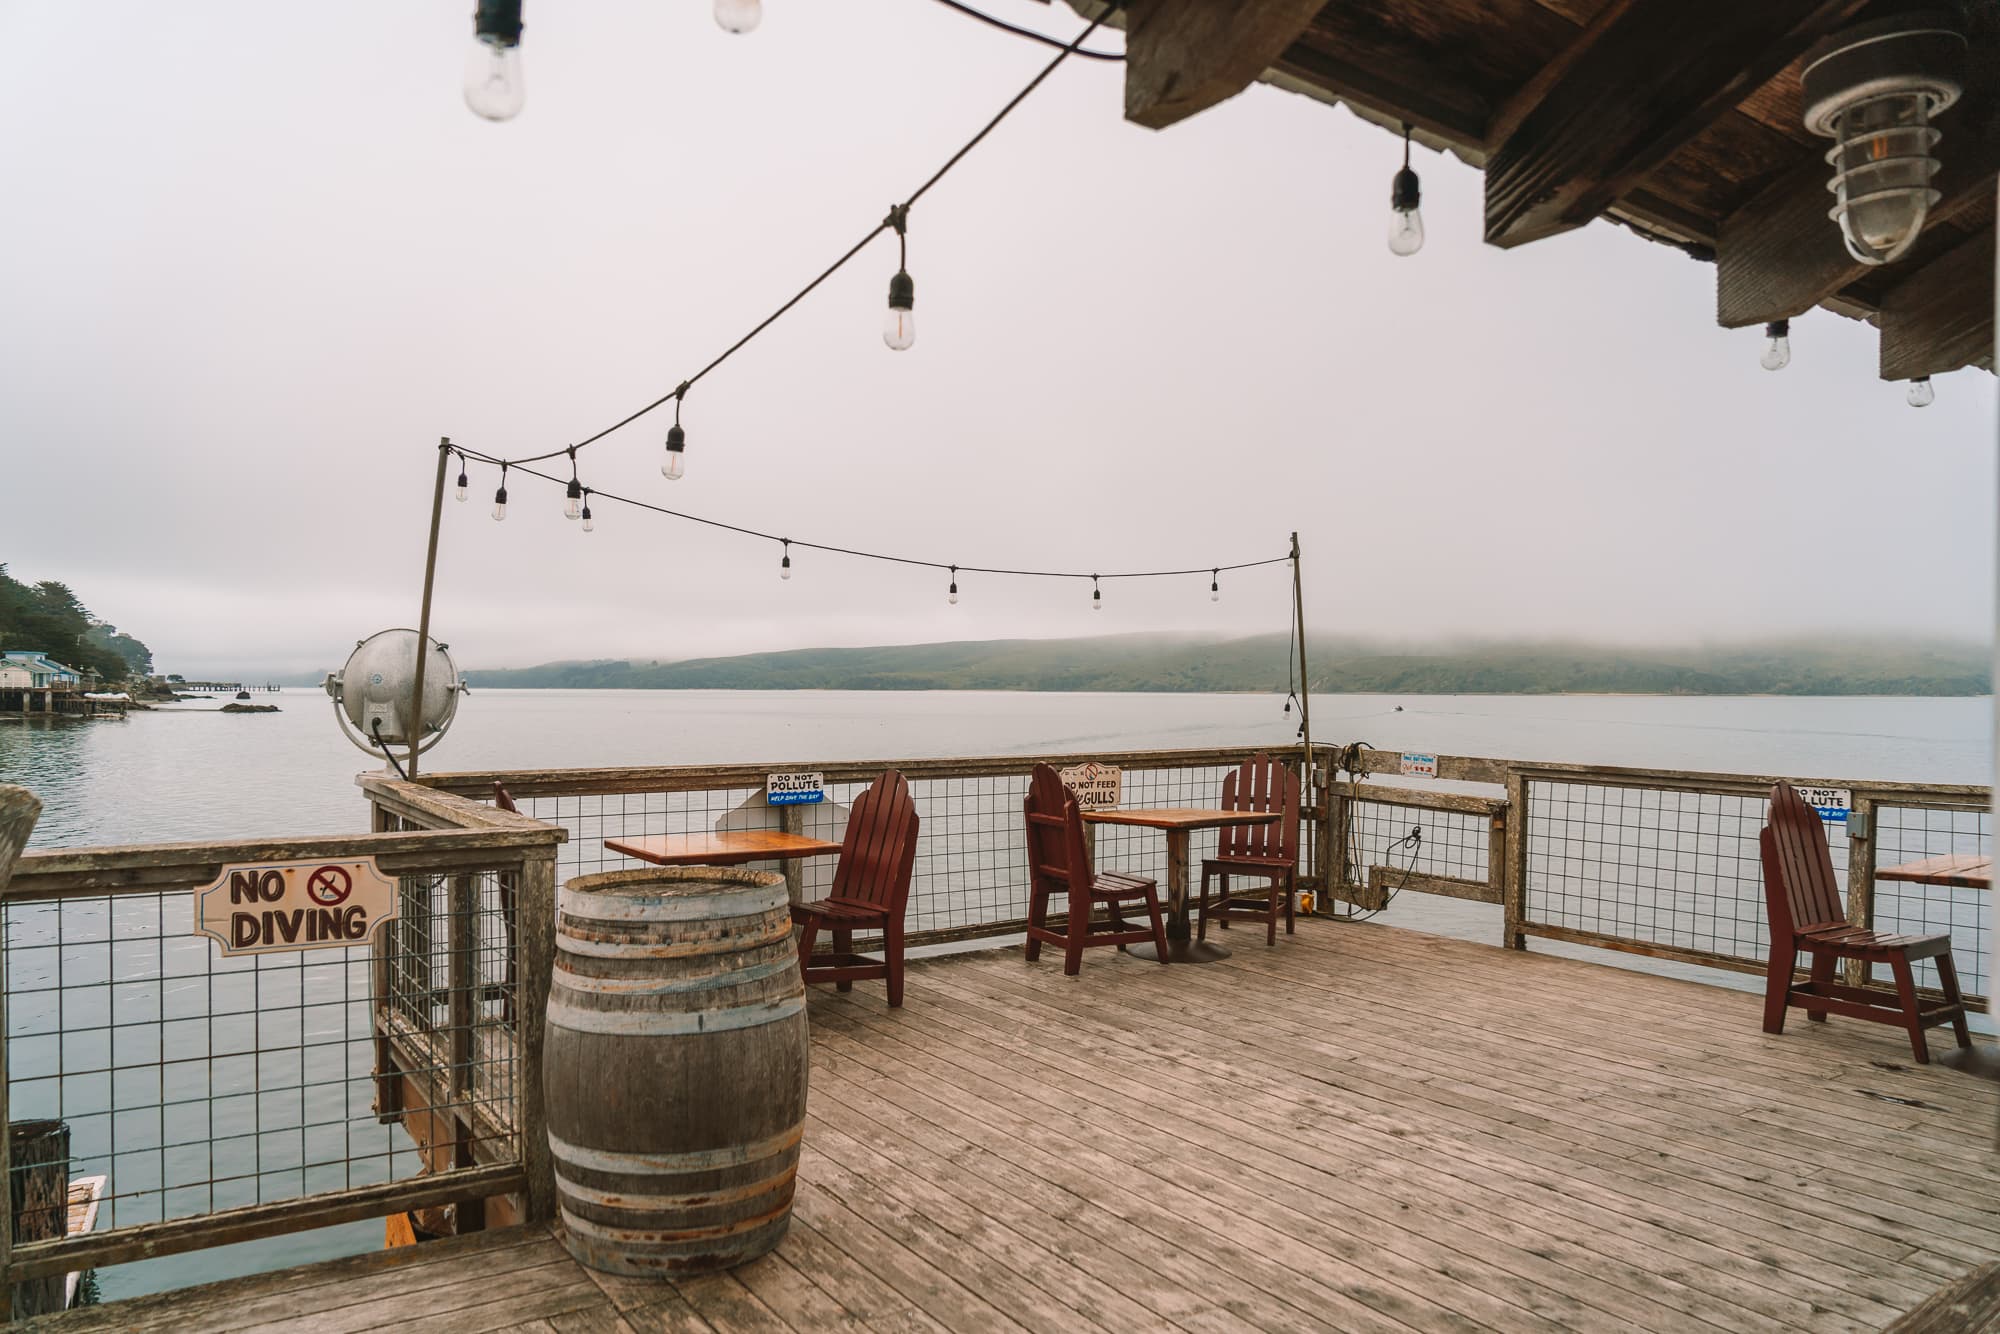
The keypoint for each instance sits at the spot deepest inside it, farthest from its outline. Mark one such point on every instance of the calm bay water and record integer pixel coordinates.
(190, 772)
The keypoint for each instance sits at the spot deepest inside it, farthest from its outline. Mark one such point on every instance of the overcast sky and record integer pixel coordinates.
(255, 259)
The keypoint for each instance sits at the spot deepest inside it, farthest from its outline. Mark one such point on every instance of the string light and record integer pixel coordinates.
(500, 497)
(676, 462)
(463, 483)
(1215, 585)
(1406, 224)
(493, 87)
(1920, 394)
(589, 524)
(785, 565)
(1096, 595)
(739, 16)
(573, 502)
(951, 569)
(952, 596)
(992, 123)
(1777, 346)
(899, 326)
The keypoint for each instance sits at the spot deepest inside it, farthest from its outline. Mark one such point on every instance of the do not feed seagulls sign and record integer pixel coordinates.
(314, 905)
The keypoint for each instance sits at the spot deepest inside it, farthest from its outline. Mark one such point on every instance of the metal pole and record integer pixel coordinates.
(1305, 678)
(1992, 900)
(424, 616)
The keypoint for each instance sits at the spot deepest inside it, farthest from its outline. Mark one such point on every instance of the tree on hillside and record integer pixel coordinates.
(50, 617)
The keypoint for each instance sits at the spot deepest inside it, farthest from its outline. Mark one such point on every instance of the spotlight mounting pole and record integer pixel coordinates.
(424, 616)
(1305, 678)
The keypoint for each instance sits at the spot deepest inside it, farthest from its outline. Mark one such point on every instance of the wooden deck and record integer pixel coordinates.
(1362, 1129)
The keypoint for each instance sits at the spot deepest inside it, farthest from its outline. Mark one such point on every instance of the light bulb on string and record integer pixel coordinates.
(1096, 595)
(500, 497)
(1920, 394)
(785, 565)
(493, 87)
(1406, 224)
(1215, 585)
(1777, 345)
(676, 461)
(951, 597)
(899, 325)
(589, 524)
(463, 481)
(739, 16)
(573, 498)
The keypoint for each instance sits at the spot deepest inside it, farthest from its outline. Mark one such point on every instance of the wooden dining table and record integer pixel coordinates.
(722, 847)
(1179, 824)
(1962, 870)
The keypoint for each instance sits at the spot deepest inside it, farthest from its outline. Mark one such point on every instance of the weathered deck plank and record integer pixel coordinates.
(1361, 1129)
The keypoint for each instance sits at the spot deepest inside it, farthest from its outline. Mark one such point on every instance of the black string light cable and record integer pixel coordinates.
(888, 223)
(786, 544)
(1028, 33)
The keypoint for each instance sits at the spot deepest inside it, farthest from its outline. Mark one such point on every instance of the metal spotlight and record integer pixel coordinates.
(1873, 90)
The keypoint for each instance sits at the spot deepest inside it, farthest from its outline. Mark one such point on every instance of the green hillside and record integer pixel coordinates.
(1258, 664)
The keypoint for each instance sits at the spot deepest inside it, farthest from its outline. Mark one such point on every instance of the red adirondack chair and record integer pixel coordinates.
(1802, 902)
(1059, 863)
(1270, 851)
(871, 891)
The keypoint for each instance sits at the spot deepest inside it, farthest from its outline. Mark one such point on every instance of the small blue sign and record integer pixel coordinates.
(795, 789)
(1832, 803)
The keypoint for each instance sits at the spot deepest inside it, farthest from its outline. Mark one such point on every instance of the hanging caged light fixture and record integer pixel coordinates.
(1874, 89)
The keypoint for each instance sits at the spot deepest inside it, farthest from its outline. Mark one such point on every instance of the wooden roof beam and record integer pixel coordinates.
(1184, 56)
(1643, 78)
(1391, 85)
(1941, 316)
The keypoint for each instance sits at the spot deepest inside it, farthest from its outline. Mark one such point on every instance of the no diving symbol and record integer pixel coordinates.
(329, 886)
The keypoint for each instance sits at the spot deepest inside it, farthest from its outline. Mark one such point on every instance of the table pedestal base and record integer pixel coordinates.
(1181, 951)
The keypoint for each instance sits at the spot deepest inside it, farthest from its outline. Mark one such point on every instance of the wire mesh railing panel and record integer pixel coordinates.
(191, 1081)
(1906, 834)
(972, 854)
(591, 818)
(1399, 840)
(1675, 869)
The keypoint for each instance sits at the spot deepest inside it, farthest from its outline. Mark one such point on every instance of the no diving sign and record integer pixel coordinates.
(313, 905)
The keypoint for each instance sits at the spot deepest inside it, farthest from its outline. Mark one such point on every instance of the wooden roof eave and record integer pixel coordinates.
(1696, 140)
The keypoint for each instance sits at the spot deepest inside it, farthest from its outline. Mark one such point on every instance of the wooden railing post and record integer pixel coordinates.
(19, 809)
(388, 1079)
(1333, 841)
(1513, 845)
(462, 945)
(535, 915)
(792, 820)
(1860, 880)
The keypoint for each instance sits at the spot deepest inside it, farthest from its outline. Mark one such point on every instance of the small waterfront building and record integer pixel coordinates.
(14, 676)
(44, 672)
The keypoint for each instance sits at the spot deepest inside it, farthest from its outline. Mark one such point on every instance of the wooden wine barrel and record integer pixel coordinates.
(674, 1069)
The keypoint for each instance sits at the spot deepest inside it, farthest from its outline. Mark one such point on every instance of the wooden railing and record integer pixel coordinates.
(1656, 862)
(970, 880)
(1659, 862)
(95, 911)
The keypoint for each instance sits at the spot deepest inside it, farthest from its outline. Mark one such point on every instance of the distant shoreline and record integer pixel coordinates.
(1318, 690)
(1267, 664)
